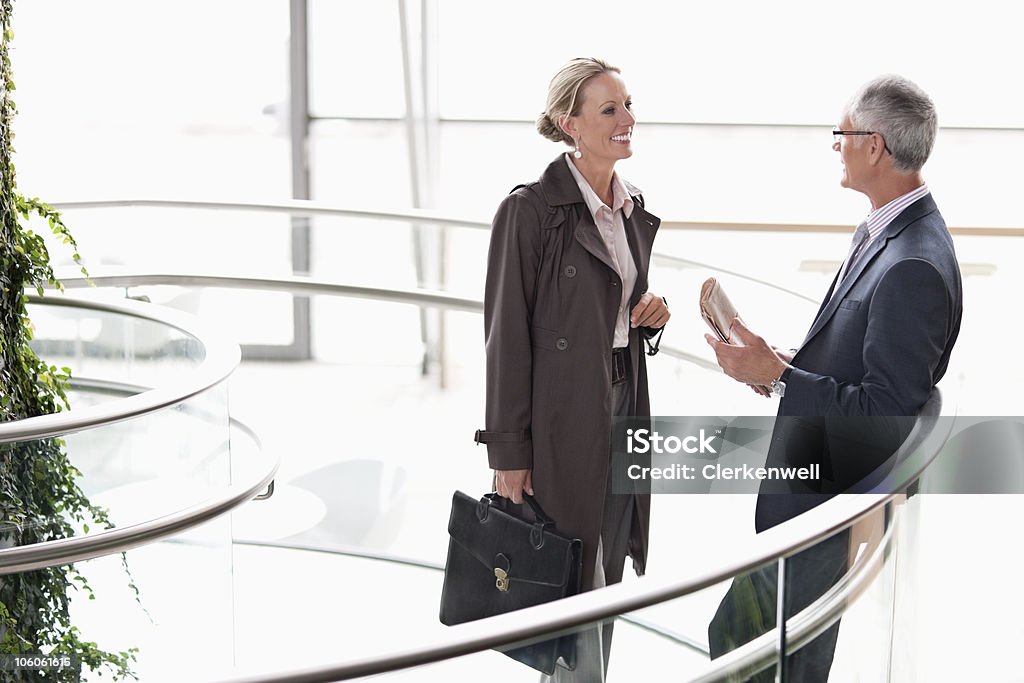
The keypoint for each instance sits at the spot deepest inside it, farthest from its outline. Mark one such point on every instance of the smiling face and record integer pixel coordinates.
(604, 125)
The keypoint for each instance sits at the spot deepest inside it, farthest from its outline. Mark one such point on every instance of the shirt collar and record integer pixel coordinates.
(879, 219)
(622, 192)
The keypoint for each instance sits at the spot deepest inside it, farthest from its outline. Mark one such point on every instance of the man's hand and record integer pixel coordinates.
(787, 357)
(785, 354)
(753, 362)
(511, 484)
(650, 311)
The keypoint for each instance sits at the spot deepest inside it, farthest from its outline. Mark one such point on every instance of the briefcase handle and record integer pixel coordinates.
(545, 520)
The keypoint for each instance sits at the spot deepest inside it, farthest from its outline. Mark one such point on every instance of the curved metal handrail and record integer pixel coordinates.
(564, 615)
(391, 558)
(544, 620)
(293, 207)
(556, 617)
(293, 284)
(690, 263)
(76, 549)
(305, 207)
(222, 357)
(306, 285)
(378, 665)
(801, 628)
(79, 548)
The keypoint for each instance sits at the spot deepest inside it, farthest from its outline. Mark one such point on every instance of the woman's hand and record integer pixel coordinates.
(650, 311)
(511, 484)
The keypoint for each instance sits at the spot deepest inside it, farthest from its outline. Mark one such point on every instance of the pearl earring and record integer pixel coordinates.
(577, 154)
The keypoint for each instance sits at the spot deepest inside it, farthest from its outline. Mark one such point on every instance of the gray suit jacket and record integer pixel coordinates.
(876, 350)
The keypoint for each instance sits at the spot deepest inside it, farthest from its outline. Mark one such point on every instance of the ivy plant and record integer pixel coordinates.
(40, 499)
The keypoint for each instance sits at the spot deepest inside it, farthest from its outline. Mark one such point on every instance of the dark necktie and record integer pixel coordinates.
(859, 236)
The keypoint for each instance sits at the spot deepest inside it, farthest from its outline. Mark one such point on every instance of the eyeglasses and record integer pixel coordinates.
(837, 136)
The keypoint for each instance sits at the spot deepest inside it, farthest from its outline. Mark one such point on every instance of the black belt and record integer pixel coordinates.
(620, 365)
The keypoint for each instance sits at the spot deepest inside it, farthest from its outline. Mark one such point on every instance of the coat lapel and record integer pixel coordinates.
(560, 189)
(589, 237)
(915, 211)
(641, 228)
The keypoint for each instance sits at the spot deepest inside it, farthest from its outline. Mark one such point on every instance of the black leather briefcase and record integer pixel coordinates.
(498, 562)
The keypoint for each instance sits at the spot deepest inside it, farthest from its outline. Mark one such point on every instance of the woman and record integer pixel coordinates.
(565, 311)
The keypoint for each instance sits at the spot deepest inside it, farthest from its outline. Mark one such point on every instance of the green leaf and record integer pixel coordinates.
(44, 500)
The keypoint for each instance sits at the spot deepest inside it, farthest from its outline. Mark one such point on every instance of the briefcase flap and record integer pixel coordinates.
(526, 551)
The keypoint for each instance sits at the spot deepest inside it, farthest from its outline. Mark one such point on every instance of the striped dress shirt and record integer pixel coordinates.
(879, 219)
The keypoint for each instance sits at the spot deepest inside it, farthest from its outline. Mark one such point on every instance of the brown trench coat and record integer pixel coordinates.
(549, 321)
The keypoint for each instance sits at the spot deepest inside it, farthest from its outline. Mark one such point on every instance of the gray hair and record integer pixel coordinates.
(902, 113)
(563, 95)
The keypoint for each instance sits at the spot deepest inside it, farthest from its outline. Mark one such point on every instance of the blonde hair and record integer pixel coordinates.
(563, 95)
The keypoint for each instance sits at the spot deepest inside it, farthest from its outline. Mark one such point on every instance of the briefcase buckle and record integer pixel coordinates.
(502, 566)
(501, 581)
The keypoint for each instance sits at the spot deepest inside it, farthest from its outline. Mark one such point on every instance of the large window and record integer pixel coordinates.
(735, 100)
(123, 99)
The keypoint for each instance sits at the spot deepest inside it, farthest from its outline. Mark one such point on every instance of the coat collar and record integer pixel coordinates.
(560, 188)
(557, 184)
(919, 209)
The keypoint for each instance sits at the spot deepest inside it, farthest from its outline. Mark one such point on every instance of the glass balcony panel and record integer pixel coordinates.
(858, 646)
(150, 466)
(183, 619)
(687, 635)
(112, 346)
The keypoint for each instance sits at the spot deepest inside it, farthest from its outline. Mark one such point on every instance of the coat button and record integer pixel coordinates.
(570, 271)
(562, 344)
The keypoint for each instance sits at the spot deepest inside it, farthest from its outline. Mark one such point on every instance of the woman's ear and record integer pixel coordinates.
(568, 125)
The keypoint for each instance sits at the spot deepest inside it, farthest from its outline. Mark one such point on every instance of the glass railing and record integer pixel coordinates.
(150, 434)
(372, 451)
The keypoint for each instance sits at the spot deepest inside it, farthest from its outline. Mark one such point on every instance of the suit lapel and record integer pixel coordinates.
(915, 211)
(842, 288)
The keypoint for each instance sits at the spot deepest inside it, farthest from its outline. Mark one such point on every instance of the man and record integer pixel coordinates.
(879, 344)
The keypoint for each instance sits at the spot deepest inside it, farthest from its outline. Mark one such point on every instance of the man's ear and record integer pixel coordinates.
(876, 150)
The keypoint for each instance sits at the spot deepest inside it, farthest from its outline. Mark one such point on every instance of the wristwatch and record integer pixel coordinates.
(778, 386)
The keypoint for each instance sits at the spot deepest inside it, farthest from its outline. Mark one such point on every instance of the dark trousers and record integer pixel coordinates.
(749, 609)
(593, 645)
